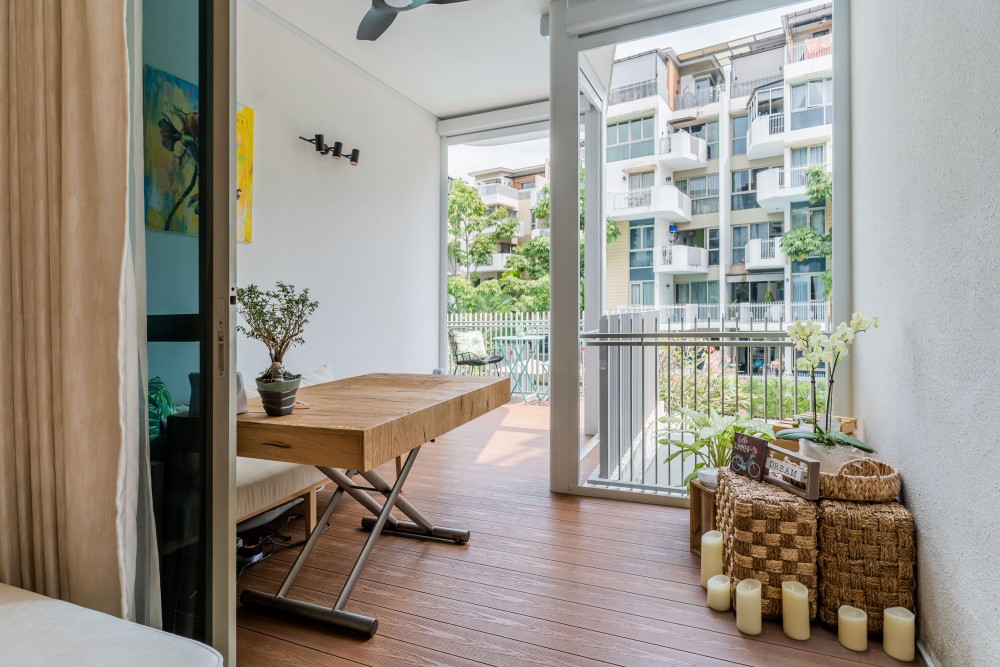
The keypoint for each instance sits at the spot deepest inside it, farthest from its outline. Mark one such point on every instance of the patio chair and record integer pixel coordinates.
(470, 355)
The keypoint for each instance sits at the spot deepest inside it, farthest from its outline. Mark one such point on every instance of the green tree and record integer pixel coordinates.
(802, 242)
(531, 260)
(473, 229)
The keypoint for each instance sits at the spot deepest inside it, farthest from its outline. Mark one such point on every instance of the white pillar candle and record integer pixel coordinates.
(899, 633)
(748, 606)
(718, 593)
(852, 628)
(795, 609)
(711, 556)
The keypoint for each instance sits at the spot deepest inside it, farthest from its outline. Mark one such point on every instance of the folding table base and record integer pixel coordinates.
(383, 521)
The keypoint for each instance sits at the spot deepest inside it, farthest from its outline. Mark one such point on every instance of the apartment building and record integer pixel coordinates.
(517, 191)
(707, 155)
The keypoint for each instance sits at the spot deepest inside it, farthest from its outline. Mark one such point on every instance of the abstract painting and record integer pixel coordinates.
(172, 152)
(244, 173)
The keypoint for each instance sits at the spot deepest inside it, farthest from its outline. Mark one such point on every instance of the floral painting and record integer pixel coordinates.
(244, 173)
(172, 152)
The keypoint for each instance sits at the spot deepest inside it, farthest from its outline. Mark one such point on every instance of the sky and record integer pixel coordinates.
(463, 159)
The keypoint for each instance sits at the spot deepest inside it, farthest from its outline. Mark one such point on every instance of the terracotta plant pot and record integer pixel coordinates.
(278, 398)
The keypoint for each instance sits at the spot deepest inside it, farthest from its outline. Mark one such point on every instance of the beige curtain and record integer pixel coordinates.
(64, 384)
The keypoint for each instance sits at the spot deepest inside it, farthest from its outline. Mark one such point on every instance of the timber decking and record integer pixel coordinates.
(546, 580)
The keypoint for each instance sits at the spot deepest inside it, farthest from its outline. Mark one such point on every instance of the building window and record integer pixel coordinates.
(740, 124)
(640, 247)
(641, 180)
(710, 133)
(812, 103)
(745, 188)
(713, 246)
(703, 191)
(631, 139)
(701, 292)
(803, 214)
(641, 293)
(770, 101)
(802, 159)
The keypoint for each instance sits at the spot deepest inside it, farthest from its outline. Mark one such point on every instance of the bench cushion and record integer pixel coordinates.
(260, 483)
(36, 631)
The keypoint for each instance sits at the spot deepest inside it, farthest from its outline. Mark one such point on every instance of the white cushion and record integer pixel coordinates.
(36, 631)
(261, 483)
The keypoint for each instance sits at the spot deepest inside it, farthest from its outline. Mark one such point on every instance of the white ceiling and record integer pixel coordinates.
(450, 59)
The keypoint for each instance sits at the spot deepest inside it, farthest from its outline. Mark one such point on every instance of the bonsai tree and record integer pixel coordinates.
(713, 435)
(276, 318)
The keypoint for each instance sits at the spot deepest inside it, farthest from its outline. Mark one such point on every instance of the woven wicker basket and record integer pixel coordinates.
(864, 480)
(866, 559)
(769, 535)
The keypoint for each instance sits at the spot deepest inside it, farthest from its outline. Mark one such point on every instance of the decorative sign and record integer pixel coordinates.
(792, 472)
(783, 467)
(749, 454)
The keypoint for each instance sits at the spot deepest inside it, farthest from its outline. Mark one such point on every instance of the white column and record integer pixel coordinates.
(564, 416)
(595, 242)
(725, 201)
(843, 296)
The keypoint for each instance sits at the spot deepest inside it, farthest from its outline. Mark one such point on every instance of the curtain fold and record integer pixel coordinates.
(68, 399)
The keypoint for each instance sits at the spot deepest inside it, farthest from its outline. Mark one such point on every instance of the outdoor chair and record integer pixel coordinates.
(470, 355)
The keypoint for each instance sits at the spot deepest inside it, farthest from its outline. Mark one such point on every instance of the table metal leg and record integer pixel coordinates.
(336, 616)
(420, 526)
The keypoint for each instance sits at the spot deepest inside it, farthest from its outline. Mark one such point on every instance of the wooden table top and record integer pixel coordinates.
(362, 422)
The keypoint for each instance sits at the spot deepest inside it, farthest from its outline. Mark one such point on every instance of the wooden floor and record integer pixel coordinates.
(546, 580)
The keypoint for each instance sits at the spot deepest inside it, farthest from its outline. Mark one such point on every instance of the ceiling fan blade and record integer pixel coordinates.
(374, 24)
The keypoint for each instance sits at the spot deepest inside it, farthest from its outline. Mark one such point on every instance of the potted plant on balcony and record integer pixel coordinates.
(773, 309)
(276, 318)
(830, 447)
(711, 440)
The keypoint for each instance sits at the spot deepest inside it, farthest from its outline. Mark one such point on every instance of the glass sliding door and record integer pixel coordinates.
(188, 323)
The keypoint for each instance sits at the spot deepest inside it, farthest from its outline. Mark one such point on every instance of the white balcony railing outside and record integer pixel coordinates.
(807, 49)
(747, 86)
(682, 259)
(633, 91)
(689, 99)
(683, 147)
(660, 200)
(770, 182)
(493, 194)
(765, 126)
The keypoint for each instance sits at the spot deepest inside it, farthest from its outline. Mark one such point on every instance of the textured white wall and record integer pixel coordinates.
(364, 239)
(926, 251)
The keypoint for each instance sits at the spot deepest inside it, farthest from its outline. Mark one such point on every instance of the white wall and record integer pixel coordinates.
(364, 239)
(925, 167)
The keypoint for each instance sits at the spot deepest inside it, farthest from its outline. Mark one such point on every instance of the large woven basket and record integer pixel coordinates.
(864, 480)
(769, 535)
(866, 559)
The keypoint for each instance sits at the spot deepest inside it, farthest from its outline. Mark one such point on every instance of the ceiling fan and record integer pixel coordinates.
(383, 13)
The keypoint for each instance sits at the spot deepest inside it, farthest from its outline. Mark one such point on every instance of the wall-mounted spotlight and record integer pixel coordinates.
(336, 151)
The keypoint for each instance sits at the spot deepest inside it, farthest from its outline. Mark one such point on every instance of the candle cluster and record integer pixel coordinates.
(899, 638)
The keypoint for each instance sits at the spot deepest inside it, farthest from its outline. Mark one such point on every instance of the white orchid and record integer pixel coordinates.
(818, 349)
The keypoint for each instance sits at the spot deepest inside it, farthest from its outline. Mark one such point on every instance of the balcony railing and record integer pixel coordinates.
(799, 176)
(497, 190)
(633, 91)
(660, 200)
(807, 49)
(769, 248)
(747, 86)
(683, 259)
(690, 99)
(766, 126)
(682, 145)
(647, 375)
(634, 198)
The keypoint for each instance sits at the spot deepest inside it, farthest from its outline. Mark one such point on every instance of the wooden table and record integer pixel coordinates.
(351, 427)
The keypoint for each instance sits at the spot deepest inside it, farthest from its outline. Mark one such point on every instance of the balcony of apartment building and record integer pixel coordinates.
(635, 97)
(809, 56)
(763, 254)
(658, 201)
(741, 89)
(497, 264)
(681, 150)
(498, 194)
(766, 136)
(529, 196)
(776, 188)
(681, 259)
(700, 94)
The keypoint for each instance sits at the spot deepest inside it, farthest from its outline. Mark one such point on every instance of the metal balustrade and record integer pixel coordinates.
(647, 375)
(633, 91)
(807, 49)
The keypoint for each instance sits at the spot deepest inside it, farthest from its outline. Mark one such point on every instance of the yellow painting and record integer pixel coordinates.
(172, 152)
(244, 173)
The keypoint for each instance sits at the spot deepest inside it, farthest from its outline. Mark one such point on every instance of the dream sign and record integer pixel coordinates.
(792, 472)
(749, 455)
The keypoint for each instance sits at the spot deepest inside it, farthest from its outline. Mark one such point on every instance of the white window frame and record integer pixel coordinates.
(631, 140)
